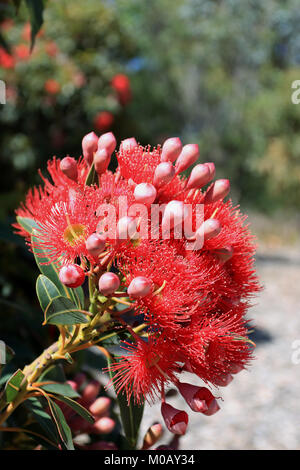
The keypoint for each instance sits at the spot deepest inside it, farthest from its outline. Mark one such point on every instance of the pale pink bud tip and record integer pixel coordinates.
(200, 176)
(218, 190)
(153, 434)
(68, 166)
(107, 141)
(224, 254)
(164, 173)
(95, 244)
(139, 287)
(100, 406)
(126, 228)
(171, 149)
(176, 420)
(91, 391)
(128, 144)
(72, 275)
(209, 229)
(145, 193)
(188, 156)
(224, 380)
(175, 213)
(108, 283)
(89, 146)
(101, 161)
(103, 426)
(212, 169)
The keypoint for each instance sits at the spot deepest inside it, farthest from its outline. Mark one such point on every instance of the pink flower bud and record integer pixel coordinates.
(126, 228)
(171, 149)
(164, 173)
(73, 384)
(153, 434)
(145, 193)
(89, 147)
(188, 156)
(95, 244)
(199, 399)
(224, 380)
(218, 190)
(91, 391)
(103, 426)
(101, 161)
(212, 169)
(100, 406)
(139, 287)
(224, 254)
(128, 144)
(72, 275)
(108, 283)
(200, 176)
(107, 141)
(175, 420)
(209, 229)
(68, 166)
(175, 213)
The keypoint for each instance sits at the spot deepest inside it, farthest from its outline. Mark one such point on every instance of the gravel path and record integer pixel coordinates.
(261, 408)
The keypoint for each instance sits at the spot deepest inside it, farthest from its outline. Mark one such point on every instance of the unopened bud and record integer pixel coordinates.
(175, 213)
(224, 254)
(218, 190)
(164, 173)
(153, 434)
(200, 176)
(107, 141)
(199, 399)
(171, 149)
(139, 287)
(145, 193)
(72, 275)
(103, 426)
(91, 391)
(188, 156)
(108, 283)
(100, 406)
(126, 228)
(128, 144)
(212, 169)
(89, 147)
(68, 166)
(175, 420)
(101, 161)
(209, 229)
(95, 244)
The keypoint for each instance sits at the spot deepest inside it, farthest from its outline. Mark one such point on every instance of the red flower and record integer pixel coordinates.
(103, 121)
(6, 60)
(138, 163)
(121, 84)
(52, 86)
(22, 52)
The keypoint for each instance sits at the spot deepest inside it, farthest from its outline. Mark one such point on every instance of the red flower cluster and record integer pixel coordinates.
(189, 303)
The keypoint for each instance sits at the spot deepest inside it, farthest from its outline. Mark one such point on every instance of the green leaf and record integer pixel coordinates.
(36, 8)
(55, 373)
(27, 224)
(63, 429)
(62, 311)
(46, 291)
(13, 386)
(42, 417)
(92, 177)
(131, 414)
(79, 409)
(60, 389)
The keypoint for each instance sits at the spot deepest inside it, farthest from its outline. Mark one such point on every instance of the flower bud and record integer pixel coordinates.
(128, 144)
(171, 149)
(209, 229)
(145, 193)
(95, 244)
(153, 434)
(108, 283)
(175, 420)
(72, 275)
(188, 156)
(139, 287)
(89, 147)
(126, 228)
(100, 406)
(68, 166)
(199, 399)
(224, 254)
(200, 176)
(107, 141)
(224, 380)
(212, 169)
(164, 173)
(91, 391)
(218, 190)
(101, 161)
(103, 426)
(175, 213)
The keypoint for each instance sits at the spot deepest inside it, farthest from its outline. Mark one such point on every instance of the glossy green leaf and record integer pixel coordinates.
(46, 291)
(13, 386)
(62, 311)
(79, 409)
(55, 372)
(27, 224)
(131, 414)
(60, 389)
(37, 409)
(61, 424)
(36, 8)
